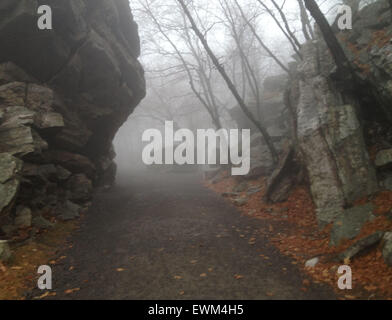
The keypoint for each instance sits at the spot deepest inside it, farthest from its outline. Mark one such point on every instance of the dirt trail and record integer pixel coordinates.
(168, 237)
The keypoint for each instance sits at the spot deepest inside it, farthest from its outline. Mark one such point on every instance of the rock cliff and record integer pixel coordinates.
(339, 134)
(343, 141)
(63, 95)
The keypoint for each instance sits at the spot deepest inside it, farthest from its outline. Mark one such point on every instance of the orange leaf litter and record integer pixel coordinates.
(299, 237)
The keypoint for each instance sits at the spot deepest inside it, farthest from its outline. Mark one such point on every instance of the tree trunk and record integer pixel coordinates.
(343, 64)
(306, 26)
(214, 115)
(230, 84)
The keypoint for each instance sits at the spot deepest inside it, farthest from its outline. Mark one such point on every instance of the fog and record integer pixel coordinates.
(182, 81)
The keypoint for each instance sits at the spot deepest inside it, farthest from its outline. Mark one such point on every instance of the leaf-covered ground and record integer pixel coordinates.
(293, 229)
(19, 275)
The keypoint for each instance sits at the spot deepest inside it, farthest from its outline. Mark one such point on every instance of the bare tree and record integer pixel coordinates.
(247, 69)
(286, 30)
(229, 83)
(307, 29)
(204, 71)
(206, 102)
(342, 62)
(261, 42)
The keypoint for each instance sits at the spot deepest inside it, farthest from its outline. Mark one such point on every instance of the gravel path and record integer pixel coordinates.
(168, 237)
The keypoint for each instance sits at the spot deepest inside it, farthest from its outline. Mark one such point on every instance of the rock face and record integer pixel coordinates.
(369, 46)
(349, 223)
(330, 138)
(384, 158)
(335, 130)
(5, 252)
(64, 93)
(272, 110)
(387, 250)
(275, 119)
(10, 167)
(361, 246)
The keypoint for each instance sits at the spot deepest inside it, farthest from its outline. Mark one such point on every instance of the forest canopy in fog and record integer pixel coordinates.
(252, 39)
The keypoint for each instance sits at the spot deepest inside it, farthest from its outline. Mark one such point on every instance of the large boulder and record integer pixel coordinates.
(387, 182)
(42, 223)
(75, 163)
(350, 222)
(384, 158)
(369, 47)
(272, 111)
(5, 252)
(23, 217)
(16, 135)
(80, 188)
(10, 168)
(331, 139)
(387, 249)
(64, 93)
(361, 246)
(68, 211)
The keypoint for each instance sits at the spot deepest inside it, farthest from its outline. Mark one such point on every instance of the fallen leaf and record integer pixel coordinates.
(371, 288)
(43, 295)
(203, 275)
(16, 268)
(69, 291)
(238, 276)
(120, 269)
(177, 277)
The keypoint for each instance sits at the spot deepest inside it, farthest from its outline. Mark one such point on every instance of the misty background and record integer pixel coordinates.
(180, 75)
